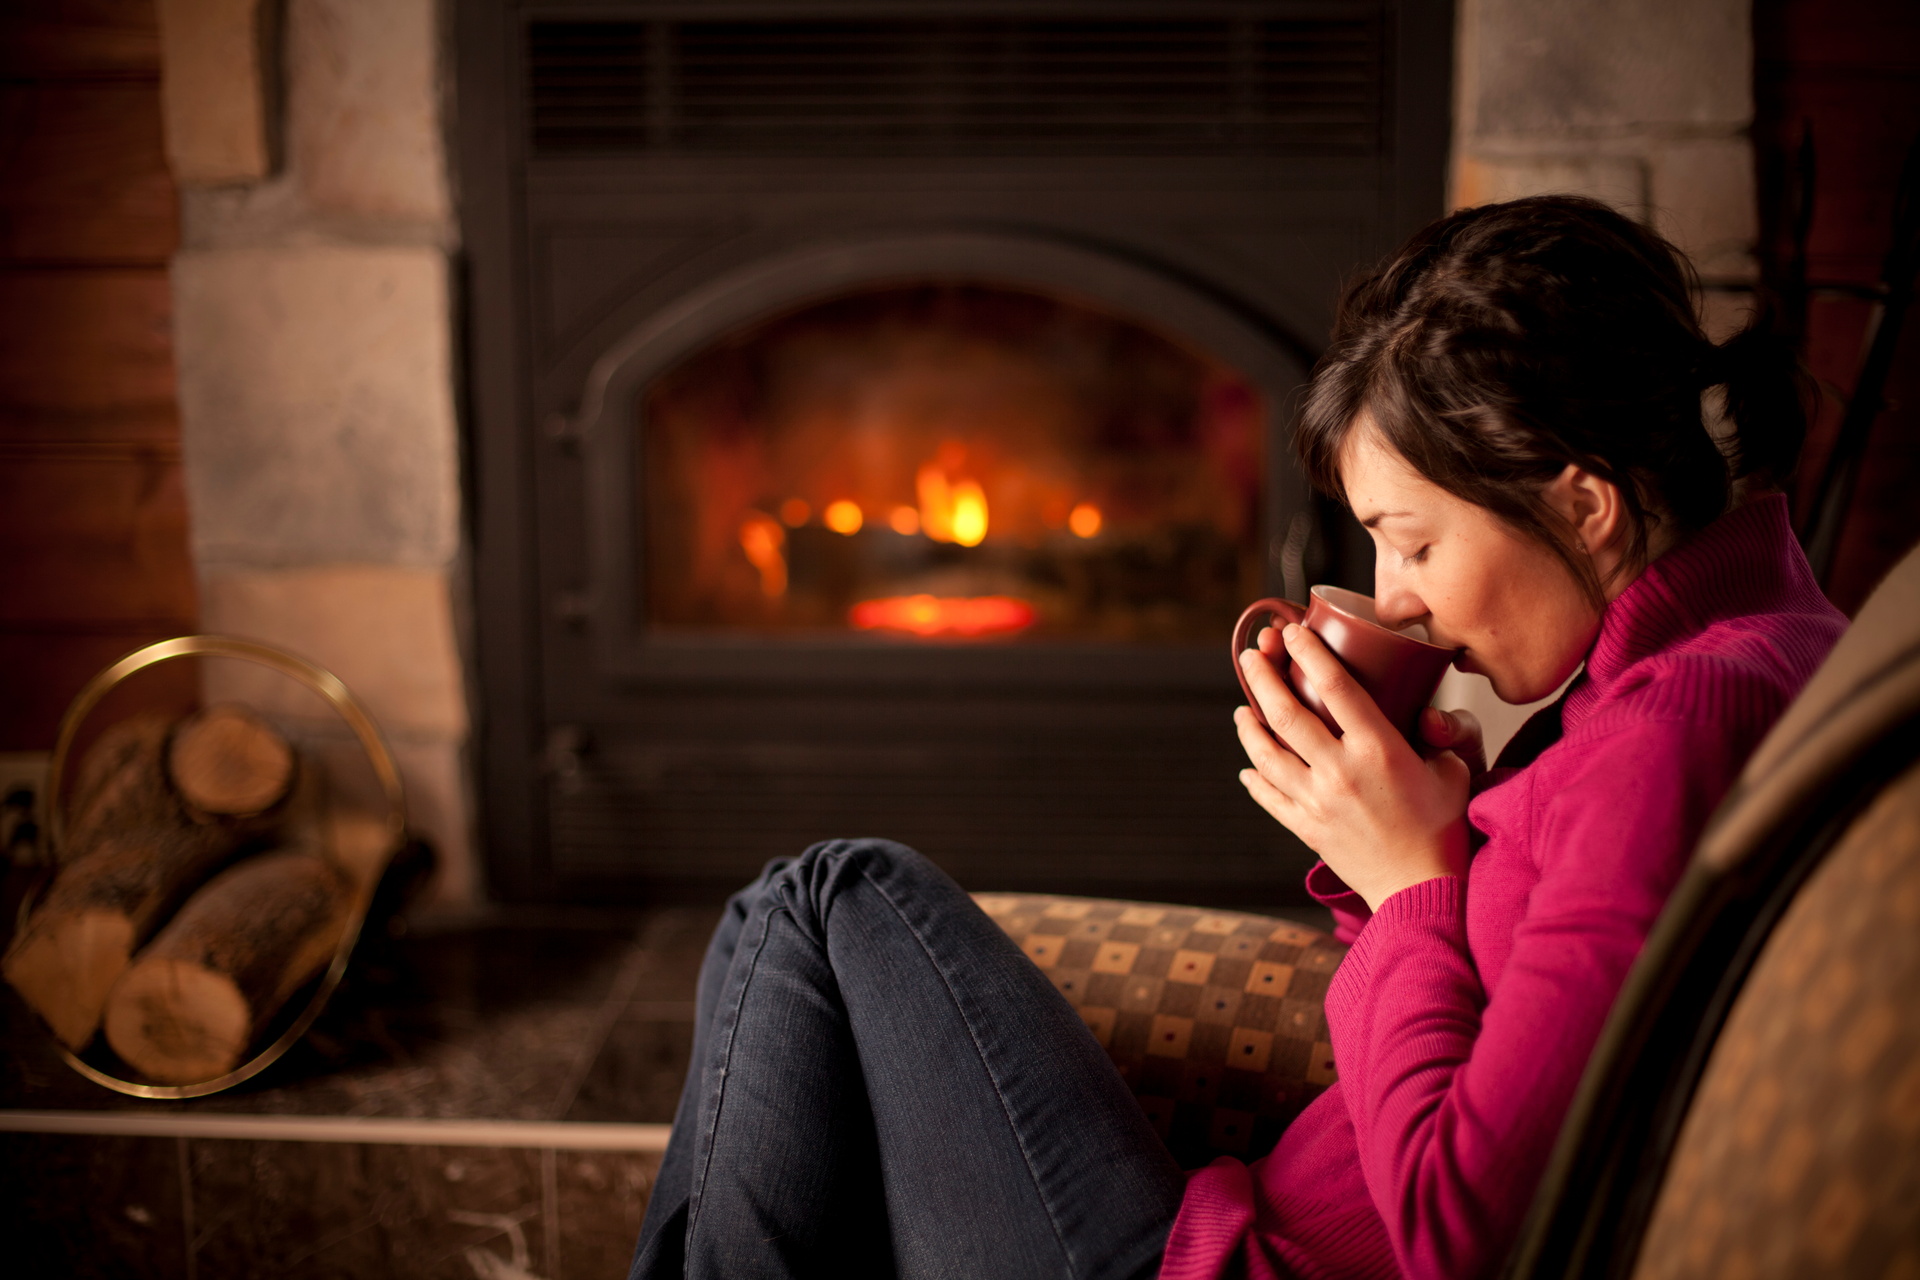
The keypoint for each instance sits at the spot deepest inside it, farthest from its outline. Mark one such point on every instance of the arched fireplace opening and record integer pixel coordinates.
(945, 461)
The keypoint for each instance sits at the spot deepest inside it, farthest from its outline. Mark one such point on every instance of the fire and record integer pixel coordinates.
(951, 509)
(925, 615)
(969, 514)
(762, 538)
(905, 521)
(844, 517)
(1084, 520)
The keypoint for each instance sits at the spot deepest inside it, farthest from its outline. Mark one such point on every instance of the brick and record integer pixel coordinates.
(363, 108)
(1603, 66)
(387, 632)
(316, 399)
(215, 85)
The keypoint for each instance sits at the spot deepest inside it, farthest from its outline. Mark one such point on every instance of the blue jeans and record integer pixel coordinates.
(882, 1084)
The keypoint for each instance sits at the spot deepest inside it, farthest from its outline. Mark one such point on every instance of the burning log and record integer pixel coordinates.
(188, 1007)
(157, 809)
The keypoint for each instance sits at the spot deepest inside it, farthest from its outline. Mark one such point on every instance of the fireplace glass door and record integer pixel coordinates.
(950, 462)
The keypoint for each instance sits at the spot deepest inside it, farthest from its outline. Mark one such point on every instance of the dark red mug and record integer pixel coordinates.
(1399, 670)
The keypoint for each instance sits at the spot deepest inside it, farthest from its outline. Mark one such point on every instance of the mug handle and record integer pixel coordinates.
(1243, 632)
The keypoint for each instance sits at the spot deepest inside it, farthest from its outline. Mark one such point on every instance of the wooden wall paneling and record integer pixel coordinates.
(85, 340)
(98, 537)
(42, 667)
(93, 514)
(86, 175)
(49, 39)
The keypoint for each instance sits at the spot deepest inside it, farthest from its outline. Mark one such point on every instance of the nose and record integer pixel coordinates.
(1395, 602)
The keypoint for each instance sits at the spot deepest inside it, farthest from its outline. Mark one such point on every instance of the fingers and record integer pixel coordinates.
(1274, 762)
(1272, 799)
(1455, 731)
(1352, 707)
(1292, 723)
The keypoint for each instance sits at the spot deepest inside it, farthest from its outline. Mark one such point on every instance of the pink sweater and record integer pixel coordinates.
(1464, 1014)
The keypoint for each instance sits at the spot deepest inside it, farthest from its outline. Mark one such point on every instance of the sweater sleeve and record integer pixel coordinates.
(1350, 910)
(1457, 1098)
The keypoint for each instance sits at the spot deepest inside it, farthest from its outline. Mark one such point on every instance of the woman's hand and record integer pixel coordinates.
(1455, 731)
(1381, 816)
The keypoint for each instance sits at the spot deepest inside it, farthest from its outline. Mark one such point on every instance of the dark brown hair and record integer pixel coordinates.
(1504, 342)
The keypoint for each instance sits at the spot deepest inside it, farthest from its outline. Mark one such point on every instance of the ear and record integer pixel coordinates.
(1595, 512)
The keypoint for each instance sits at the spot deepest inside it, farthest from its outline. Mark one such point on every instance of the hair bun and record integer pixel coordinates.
(1766, 399)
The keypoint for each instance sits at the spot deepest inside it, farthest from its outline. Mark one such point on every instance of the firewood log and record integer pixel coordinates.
(226, 760)
(190, 1004)
(135, 849)
(119, 784)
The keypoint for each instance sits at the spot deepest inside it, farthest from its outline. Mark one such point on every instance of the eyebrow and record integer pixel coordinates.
(1374, 520)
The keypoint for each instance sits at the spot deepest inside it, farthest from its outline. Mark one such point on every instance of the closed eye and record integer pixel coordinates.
(1417, 557)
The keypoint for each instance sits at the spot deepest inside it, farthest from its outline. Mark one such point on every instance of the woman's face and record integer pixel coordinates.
(1512, 605)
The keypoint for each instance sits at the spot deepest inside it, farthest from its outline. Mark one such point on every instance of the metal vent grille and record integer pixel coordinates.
(1029, 86)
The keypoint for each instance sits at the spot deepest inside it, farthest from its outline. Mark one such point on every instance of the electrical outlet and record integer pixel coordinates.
(23, 784)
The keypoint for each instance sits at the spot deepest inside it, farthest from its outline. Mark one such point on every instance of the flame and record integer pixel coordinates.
(936, 502)
(905, 520)
(762, 538)
(925, 615)
(951, 509)
(969, 514)
(1084, 520)
(844, 517)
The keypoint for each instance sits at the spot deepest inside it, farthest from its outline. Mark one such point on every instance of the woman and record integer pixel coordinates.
(1512, 408)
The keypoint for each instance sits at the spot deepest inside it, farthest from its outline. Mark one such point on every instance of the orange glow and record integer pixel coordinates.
(762, 538)
(969, 514)
(844, 517)
(936, 502)
(925, 615)
(905, 520)
(1084, 520)
(795, 512)
(952, 509)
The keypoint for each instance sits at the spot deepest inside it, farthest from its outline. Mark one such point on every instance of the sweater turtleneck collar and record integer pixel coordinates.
(1745, 562)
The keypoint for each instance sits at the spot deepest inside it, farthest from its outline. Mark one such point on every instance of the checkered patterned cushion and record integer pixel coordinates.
(1214, 1017)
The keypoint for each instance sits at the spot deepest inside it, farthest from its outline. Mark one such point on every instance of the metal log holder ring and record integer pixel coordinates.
(336, 694)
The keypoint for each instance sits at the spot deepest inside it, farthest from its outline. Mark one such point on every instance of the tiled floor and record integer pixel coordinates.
(528, 1016)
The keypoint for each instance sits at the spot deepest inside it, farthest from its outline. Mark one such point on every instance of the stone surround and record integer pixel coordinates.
(1643, 103)
(314, 329)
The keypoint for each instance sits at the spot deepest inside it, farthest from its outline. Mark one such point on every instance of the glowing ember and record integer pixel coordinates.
(1084, 520)
(925, 615)
(844, 517)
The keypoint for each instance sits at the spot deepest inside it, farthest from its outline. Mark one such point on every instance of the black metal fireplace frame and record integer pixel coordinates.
(551, 408)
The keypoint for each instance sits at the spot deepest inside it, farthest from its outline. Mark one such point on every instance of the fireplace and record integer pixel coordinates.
(897, 465)
(950, 461)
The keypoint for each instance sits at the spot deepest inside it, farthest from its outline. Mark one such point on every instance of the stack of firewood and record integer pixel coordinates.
(196, 891)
